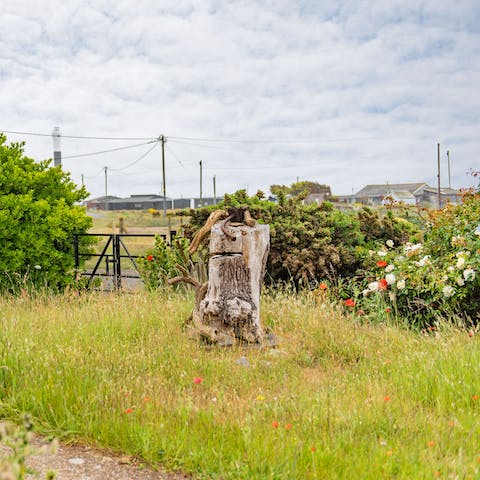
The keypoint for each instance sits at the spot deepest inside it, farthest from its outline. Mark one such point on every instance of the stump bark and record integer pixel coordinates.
(229, 310)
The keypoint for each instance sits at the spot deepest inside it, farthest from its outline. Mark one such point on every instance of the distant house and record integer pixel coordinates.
(408, 193)
(376, 194)
(100, 203)
(317, 198)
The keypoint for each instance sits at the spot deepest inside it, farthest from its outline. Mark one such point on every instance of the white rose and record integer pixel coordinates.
(390, 278)
(381, 253)
(401, 284)
(450, 269)
(373, 287)
(460, 282)
(390, 243)
(469, 274)
(460, 263)
(389, 268)
(448, 291)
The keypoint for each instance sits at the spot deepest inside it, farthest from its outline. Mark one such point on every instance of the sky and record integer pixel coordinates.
(344, 93)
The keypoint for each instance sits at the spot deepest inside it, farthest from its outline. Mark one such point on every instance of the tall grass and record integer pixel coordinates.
(336, 399)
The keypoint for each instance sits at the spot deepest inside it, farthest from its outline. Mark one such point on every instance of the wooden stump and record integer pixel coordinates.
(230, 308)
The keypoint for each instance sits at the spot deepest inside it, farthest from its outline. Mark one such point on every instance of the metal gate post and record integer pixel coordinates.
(117, 265)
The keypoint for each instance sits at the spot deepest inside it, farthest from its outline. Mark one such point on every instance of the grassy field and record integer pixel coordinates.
(336, 399)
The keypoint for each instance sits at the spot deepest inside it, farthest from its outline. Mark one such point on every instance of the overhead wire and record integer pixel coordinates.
(110, 150)
(137, 160)
(82, 137)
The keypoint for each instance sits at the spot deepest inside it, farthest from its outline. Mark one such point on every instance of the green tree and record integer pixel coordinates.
(38, 218)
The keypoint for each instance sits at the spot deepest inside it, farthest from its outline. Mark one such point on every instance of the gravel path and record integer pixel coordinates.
(71, 462)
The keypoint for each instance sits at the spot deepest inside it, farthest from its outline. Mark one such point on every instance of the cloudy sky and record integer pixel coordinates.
(263, 92)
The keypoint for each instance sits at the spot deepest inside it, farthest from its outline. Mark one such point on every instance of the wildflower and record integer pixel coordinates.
(373, 286)
(401, 284)
(469, 274)
(323, 286)
(387, 398)
(475, 397)
(389, 243)
(366, 292)
(37, 267)
(450, 269)
(390, 278)
(198, 380)
(460, 282)
(288, 426)
(214, 399)
(389, 453)
(275, 424)
(260, 398)
(382, 263)
(150, 258)
(146, 399)
(382, 284)
(381, 253)
(471, 333)
(477, 230)
(390, 268)
(313, 449)
(361, 312)
(448, 291)
(451, 423)
(349, 302)
(388, 310)
(129, 410)
(431, 443)
(460, 263)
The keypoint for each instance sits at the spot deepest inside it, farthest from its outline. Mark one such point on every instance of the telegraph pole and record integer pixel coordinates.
(438, 174)
(449, 178)
(214, 190)
(162, 139)
(201, 182)
(83, 180)
(106, 181)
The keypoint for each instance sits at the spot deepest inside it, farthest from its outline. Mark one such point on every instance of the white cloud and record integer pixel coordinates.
(378, 84)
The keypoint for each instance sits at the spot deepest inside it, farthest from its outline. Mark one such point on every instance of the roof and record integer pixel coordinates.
(385, 189)
(139, 199)
(103, 198)
(402, 195)
(443, 190)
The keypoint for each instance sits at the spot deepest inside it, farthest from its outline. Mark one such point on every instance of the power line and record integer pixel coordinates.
(111, 150)
(137, 160)
(83, 137)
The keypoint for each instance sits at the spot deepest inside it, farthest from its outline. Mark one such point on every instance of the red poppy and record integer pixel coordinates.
(475, 397)
(388, 310)
(349, 302)
(382, 263)
(129, 410)
(382, 284)
(387, 398)
(150, 258)
(198, 380)
(275, 424)
(323, 286)
(313, 449)
(288, 426)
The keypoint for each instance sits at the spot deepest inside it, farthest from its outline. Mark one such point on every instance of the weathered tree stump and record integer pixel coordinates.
(227, 309)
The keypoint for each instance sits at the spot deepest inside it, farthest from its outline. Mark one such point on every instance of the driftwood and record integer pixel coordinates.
(227, 308)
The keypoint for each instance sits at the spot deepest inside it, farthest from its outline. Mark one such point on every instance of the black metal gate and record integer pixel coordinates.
(114, 250)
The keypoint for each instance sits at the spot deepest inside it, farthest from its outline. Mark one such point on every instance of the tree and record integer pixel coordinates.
(297, 188)
(38, 218)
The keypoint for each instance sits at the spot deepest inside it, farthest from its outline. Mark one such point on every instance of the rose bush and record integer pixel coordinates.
(430, 280)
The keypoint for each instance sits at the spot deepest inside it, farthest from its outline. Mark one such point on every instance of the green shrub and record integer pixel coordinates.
(308, 243)
(38, 218)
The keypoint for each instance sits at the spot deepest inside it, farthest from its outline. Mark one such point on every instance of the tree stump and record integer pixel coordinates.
(228, 310)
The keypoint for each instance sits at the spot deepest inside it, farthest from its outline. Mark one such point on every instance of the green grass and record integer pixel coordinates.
(363, 401)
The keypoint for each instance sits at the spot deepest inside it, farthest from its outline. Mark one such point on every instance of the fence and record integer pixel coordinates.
(114, 251)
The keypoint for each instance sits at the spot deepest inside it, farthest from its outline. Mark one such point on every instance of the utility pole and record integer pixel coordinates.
(438, 174)
(214, 190)
(106, 181)
(201, 182)
(161, 138)
(57, 151)
(83, 180)
(449, 178)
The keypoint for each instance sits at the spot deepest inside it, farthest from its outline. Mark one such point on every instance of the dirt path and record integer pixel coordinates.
(72, 462)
